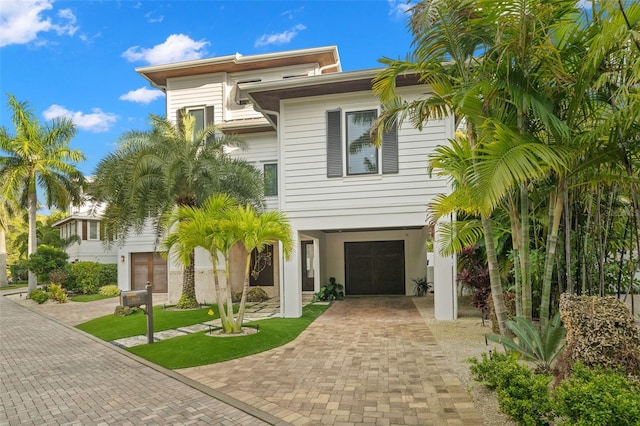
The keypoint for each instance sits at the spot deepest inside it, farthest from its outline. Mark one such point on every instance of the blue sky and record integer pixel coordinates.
(77, 58)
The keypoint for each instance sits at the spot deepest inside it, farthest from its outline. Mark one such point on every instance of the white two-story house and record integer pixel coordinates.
(358, 213)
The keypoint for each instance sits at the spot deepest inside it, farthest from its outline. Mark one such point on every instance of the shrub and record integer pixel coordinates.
(57, 293)
(109, 290)
(597, 397)
(59, 276)
(108, 274)
(20, 270)
(254, 295)
(45, 260)
(539, 346)
(38, 296)
(85, 277)
(330, 292)
(522, 395)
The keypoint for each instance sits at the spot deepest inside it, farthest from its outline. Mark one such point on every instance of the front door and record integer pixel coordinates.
(149, 267)
(374, 267)
(308, 273)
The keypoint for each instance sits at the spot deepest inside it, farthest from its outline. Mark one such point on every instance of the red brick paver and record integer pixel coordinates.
(365, 361)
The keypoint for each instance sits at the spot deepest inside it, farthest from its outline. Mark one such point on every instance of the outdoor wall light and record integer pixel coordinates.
(122, 259)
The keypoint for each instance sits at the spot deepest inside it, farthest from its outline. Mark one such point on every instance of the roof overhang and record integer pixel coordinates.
(266, 96)
(326, 57)
(72, 218)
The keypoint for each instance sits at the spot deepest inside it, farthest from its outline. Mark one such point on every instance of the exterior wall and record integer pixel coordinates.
(307, 194)
(91, 251)
(202, 90)
(136, 243)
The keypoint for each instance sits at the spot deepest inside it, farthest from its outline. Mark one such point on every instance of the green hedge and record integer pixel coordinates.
(88, 277)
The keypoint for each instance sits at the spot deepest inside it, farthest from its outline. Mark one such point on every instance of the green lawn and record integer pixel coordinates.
(112, 327)
(89, 297)
(18, 284)
(198, 348)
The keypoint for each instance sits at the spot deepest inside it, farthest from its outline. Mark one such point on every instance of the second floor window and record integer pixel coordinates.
(203, 117)
(362, 155)
(94, 230)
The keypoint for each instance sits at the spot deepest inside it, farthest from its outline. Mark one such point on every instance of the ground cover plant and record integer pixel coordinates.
(201, 349)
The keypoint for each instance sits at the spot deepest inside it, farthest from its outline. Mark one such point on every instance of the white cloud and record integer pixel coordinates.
(279, 38)
(96, 121)
(177, 47)
(144, 95)
(399, 8)
(22, 20)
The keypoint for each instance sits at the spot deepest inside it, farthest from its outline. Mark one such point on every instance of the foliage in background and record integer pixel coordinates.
(45, 260)
(473, 273)
(88, 277)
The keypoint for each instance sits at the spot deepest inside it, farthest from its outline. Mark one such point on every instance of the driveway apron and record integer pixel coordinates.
(366, 360)
(52, 374)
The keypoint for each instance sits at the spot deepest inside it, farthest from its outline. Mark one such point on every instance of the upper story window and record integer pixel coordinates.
(203, 116)
(351, 152)
(270, 174)
(362, 155)
(94, 230)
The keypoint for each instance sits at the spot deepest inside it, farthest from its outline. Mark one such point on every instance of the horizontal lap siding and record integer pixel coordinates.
(195, 91)
(310, 193)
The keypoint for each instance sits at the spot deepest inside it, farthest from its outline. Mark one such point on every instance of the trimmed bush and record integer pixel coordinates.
(108, 274)
(597, 397)
(47, 259)
(254, 295)
(57, 293)
(109, 290)
(59, 276)
(38, 296)
(85, 277)
(522, 395)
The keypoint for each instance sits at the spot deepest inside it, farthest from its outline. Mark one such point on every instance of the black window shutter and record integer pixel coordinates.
(334, 143)
(179, 113)
(390, 150)
(208, 115)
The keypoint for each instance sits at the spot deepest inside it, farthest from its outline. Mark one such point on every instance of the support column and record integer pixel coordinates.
(291, 283)
(445, 298)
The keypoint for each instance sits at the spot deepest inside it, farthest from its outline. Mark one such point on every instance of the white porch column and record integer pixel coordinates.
(291, 284)
(445, 299)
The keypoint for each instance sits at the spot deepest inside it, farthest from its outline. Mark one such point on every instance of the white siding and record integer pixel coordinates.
(379, 200)
(202, 90)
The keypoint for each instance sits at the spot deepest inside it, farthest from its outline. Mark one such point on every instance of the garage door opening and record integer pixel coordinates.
(374, 267)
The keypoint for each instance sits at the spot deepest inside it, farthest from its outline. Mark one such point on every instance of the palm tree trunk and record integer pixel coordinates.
(188, 298)
(494, 277)
(32, 206)
(243, 300)
(515, 242)
(567, 238)
(525, 257)
(4, 282)
(555, 214)
(227, 325)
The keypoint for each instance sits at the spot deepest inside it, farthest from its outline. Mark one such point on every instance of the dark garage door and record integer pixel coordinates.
(374, 267)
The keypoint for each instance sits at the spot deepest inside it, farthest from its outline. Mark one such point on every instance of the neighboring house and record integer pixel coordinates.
(83, 225)
(358, 213)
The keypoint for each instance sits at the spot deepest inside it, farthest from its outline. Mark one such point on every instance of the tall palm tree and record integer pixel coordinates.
(8, 209)
(38, 157)
(172, 165)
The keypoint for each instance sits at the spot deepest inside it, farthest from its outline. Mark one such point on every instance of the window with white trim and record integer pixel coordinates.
(94, 230)
(202, 114)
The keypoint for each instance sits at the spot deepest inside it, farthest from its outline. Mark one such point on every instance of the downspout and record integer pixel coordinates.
(326, 67)
(280, 202)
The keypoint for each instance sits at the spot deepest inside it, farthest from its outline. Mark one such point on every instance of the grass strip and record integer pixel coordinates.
(113, 327)
(89, 297)
(201, 349)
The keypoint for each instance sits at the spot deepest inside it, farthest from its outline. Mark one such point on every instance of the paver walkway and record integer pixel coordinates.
(364, 361)
(52, 374)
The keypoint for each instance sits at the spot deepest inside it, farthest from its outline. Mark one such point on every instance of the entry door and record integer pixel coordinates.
(374, 267)
(149, 267)
(308, 273)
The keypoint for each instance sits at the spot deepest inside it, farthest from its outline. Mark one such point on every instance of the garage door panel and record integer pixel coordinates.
(374, 267)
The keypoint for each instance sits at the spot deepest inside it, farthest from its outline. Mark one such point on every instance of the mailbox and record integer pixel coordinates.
(133, 298)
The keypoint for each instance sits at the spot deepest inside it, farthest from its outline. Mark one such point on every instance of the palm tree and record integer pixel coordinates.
(153, 172)
(8, 210)
(39, 158)
(218, 225)
(254, 231)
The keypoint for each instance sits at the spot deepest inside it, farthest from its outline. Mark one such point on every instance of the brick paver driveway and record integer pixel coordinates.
(366, 360)
(51, 374)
